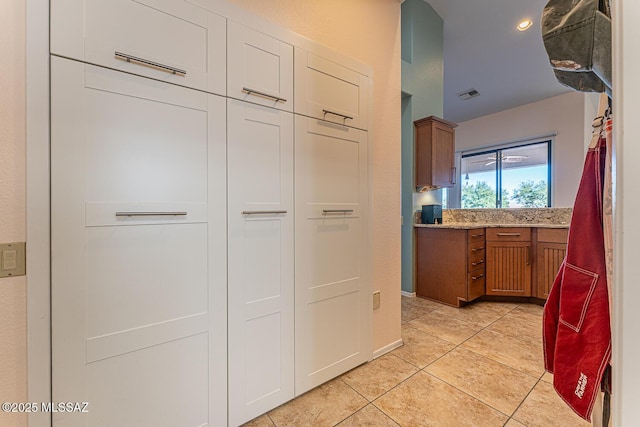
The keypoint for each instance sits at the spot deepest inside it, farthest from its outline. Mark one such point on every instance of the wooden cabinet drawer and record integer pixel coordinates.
(176, 42)
(476, 235)
(329, 91)
(509, 234)
(476, 261)
(553, 235)
(476, 249)
(476, 285)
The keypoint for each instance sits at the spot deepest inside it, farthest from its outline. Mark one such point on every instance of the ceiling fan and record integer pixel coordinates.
(504, 158)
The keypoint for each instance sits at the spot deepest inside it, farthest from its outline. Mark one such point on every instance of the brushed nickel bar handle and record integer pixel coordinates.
(508, 234)
(477, 263)
(473, 236)
(266, 95)
(344, 116)
(477, 277)
(330, 211)
(138, 213)
(477, 249)
(454, 174)
(129, 58)
(263, 212)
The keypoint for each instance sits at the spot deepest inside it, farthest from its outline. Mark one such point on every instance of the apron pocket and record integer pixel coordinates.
(577, 288)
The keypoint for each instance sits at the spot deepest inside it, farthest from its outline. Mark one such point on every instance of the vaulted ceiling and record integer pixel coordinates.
(484, 51)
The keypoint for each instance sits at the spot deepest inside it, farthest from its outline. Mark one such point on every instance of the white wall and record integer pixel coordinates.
(626, 292)
(13, 346)
(563, 114)
(368, 31)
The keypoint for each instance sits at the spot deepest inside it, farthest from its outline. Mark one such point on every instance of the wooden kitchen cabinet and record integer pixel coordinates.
(551, 248)
(450, 265)
(435, 152)
(509, 262)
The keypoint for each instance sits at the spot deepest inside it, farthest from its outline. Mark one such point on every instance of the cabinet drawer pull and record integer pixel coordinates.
(509, 234)
(151, 213)
(477, 277)
(263, 212)
(129, 58)
(266, 95)
(477, 249)
(331, 211)
(473, 236)
(477, 263)
(344, 117)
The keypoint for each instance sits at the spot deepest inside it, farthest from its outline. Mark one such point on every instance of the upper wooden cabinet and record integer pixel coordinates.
(435, 152)
(144, 37)
(330, 91)
(260, 68)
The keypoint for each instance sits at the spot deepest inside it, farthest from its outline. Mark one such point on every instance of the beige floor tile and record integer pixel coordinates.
(420, 348)
(491, 382)
(544, 408)
(515, 325)
(533, 309)
(369, 416)
(523, 353)
(444, 327)
(514, 423)
(547, 377)
(412, 308)
(326, 405)
(480, 313)
(379, 376)
(423, 400)
(262, 421)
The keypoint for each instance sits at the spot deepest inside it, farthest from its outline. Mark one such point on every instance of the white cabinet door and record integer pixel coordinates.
(170, 40)
(329, 91)
(260, 238)
(333, 290)
(138, 250)
(260, 68)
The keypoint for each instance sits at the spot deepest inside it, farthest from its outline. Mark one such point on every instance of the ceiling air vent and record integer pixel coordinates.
(468, 94)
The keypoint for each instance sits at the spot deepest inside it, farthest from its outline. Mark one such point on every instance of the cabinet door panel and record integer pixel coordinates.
(260, 236)
(509, 268)
(260, 68)
(166, 33)
(549, 259)
(331, 92)
(443, 160)
(333, 293)
(136, 258)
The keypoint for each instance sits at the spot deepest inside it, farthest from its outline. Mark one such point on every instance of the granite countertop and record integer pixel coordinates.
(471, 226)
(467, 219)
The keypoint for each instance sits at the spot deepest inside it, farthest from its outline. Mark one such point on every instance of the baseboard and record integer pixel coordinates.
(408, 294)
(387, 348)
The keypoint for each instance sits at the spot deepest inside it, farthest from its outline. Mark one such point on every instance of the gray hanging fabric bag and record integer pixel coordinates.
(577, 37)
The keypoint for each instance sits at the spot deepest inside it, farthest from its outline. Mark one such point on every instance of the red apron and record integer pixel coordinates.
(577, 333)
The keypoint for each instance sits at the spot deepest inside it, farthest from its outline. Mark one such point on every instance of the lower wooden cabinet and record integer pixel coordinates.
(509, 260)
(450, 264)
(551, 248)
(460, 265)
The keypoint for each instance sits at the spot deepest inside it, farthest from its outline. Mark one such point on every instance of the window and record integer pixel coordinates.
(512, 177)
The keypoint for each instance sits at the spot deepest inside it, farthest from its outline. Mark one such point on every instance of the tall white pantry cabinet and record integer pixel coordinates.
(210, 213)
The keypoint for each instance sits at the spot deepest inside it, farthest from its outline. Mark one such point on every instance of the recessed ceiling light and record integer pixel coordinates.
(524, 25)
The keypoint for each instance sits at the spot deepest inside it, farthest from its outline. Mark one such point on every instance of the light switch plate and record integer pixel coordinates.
(13, 259)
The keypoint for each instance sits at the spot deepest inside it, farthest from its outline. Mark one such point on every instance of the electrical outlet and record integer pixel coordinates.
(376, 300)
(12, 259)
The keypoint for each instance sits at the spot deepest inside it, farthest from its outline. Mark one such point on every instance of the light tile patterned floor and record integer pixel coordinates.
(478, 366)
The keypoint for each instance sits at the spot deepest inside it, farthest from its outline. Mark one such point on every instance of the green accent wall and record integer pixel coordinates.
(422, 95)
